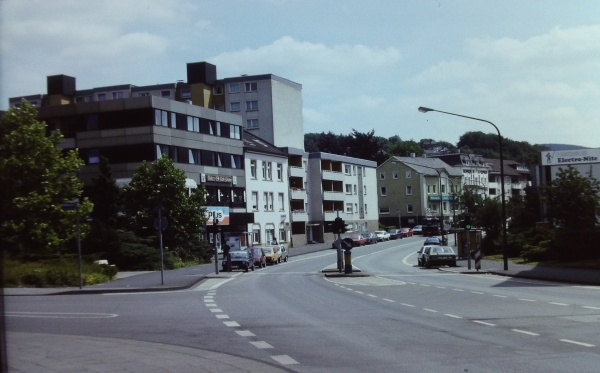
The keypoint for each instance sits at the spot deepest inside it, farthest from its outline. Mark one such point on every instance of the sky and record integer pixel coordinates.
(530, 67)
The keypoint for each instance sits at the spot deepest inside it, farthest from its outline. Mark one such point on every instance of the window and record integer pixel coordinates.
(349, 208)
(443, 189)
(281, 202)
(355, 188)
(434, 192)
(219, 107)
(165, 94)
(384, 210)
(409, 190)
(282, 235)
(101, 96)
(269, 235)
(353, 170)
(356, 207)
(234, 106)
(185, 93)
(88, 99)
(409, 208)
(161, 150)
(364, 190)
(256, 236)
(253, 168)
(193, 124)
(91, 122)
(268, 200)
(143, 94)
(264, 170)
(408, 174)
(279, 172)
(395, 174)
(252, 123)
(382, 176)
(235, 132)
(161, 118)
(236, 161)
(255, 201)
(365, 208)
(492, 191)
(93, 156)
(265, 201)
(445, 206)
(251, 87)
(251, 105)
(218, 90)
(363, 172)
(428, 189)
(348, 188)
(234, 88)
(347, 169)
(383, 191)
(269, 172)
(194, 156)
(214, 128)
(117, 95)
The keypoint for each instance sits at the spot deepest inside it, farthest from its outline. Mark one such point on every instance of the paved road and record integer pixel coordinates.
(291, 318)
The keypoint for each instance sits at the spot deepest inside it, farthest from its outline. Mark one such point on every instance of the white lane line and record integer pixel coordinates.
(209, 301)
(389, 300)
(372, 296)
(527, 300)
(429, 310)
(412, 283)
(348, 289)
(284, 360)
(424, 285)
(453, 316)
(261, 344)
(245, 333)
(211, 304)
(524, 332)
(500, 296)
(208, 297)
(407, 305)
(62, 315)
(458, 289)
(440, 287)
(592, 308)
(360, 292)
(477, 292)
(216, 310)
(577, 343)
(231, 324)
(588, 287)
(222, 316)
(558, 304)
(484, 323)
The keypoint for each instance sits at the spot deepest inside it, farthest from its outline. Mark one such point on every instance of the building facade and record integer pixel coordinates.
(474, 168)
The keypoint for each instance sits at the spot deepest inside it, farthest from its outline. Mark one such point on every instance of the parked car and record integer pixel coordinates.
(417, 229)
(240, 259)
(407, 232)
(260, 258)
(433, 241)
(371, 238)
(438, 255)
(272, 255)
(382, 236)
(283, 253)
(395, 233)
(357, 240)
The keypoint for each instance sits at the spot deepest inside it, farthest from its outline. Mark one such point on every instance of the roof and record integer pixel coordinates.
(426, 166)
(508, 170)
(253, 143)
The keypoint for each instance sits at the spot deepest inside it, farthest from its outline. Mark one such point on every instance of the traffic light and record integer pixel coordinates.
(468, 222)
(338, 226)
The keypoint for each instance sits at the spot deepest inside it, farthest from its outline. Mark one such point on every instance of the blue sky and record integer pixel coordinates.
(531, 67)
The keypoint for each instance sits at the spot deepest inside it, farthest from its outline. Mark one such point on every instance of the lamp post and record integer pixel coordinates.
(504, 257)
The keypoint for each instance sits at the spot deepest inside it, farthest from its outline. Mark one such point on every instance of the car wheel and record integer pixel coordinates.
(246, 269)
(252, 268)
(419, 262)
(427, 264)
(285, 260)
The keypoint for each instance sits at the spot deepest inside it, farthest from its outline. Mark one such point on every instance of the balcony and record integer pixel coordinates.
(333, 175)
(298, 193)
(299, 215)
(331, 215)
(334, 196)
(297, 171)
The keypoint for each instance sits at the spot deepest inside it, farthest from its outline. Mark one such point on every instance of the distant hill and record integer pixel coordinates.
(563, 147)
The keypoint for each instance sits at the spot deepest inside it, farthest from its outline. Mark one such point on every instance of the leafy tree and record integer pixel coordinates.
(105, 194)
(404, 148)
(36, 178)
(365, 146)
(311, 142)
(572, 200)
(162, 183)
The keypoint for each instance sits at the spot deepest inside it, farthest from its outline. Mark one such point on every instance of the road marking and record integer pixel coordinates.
(211, 304)
(372, 296)
(524, 332)
(592, 308)
(389, 300)
(500, 296)
(424, 285)
(454, 316)
(208, 297)
(360, 292)
(577, 343)
(284, 360)
(216, 310)
(211, 284)
(440, 287)
(261, 344)
(588, 287)
(407, 305)
(458, 289)
(245, 333)
(484, 323)
(412, 283)
(62, 315)
(558, 304)
(527, 300)
(428, 310)
(209, 301)
(222, 317)
(231, 324)
(477, 292)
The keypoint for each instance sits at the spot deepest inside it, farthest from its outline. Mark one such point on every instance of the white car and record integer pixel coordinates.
(382, 235)
(418, 229)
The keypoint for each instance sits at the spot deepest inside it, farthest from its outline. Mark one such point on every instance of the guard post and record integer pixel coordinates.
(347, 245)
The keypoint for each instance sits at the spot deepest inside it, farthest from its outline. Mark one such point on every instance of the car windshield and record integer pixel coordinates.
(238, 254)
(268, 251)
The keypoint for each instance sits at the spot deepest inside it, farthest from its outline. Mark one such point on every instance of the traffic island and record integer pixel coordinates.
(334, 272)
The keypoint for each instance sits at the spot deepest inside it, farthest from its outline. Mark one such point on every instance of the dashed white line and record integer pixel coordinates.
(591, 308)
(211, 304)
(524, 332)
(360, 292)
(231, 324)
(577, 343)
(373, 296)
(407, 305)
(389, 300)
(284, 360)
(458, 289)
(477, 292)
(261, 344)
(500, 296)
(245, 333)
(527, 300)
(558, 304)
(216, 310)
(429, 310)
(453, 316)
(424, 285)
(440, 287)
(222, 317)
(484, 323)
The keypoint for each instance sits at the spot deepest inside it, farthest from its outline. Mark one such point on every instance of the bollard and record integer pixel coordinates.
(348, 261)
(478, 258)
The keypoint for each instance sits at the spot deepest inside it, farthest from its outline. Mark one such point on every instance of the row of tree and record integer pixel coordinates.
(375, 148)
(37, 178)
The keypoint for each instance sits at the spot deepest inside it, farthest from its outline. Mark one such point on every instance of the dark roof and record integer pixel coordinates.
(508, 170)
(426, 166)
(255, 144)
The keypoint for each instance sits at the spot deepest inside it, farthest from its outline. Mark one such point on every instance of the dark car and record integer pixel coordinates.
(371, 238)
(432, 241)
(357, 240)
(395, 233)
(240, 259)
(260, 258)
(438, 255)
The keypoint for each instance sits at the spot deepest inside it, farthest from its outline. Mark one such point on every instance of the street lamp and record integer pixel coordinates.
(504, 257)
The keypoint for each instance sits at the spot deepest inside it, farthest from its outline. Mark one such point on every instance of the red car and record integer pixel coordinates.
(407, 232)
(358, 239)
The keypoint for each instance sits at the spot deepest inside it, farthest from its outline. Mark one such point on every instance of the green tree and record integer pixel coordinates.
(162, 183)
(572, 200)
(404, 148)
(36, 178)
